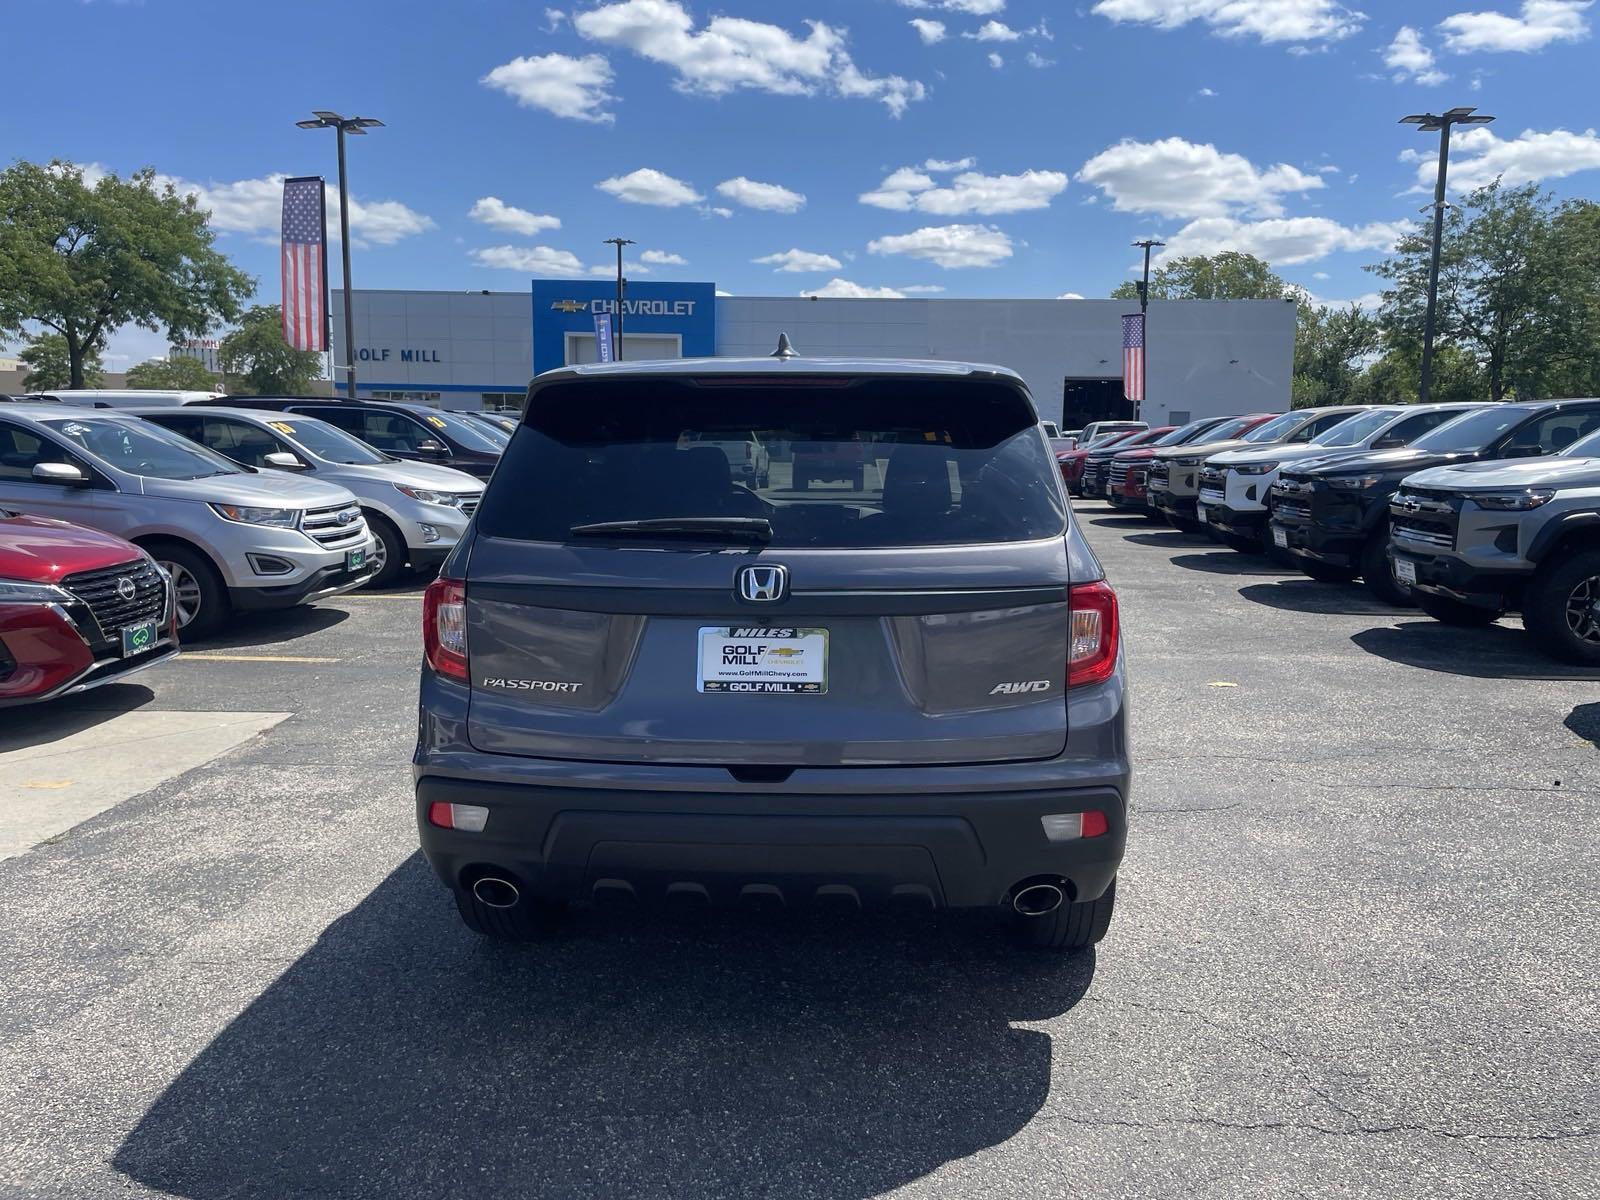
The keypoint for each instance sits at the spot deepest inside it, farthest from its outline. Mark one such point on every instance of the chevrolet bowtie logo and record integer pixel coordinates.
(571, 306)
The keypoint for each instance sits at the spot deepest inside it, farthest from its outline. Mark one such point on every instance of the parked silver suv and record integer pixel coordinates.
(230, 537)
(417, 511)
(646, 679)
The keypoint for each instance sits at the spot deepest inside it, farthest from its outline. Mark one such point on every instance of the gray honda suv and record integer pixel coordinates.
(649, 678)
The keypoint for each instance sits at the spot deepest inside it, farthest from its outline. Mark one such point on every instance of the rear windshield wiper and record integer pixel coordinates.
(754, 529)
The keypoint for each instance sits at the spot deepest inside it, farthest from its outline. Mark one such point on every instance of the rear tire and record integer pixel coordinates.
(391, 551)
(202, 597)
(1071, 927)
(1325, 572)
(1453, 612)
(1559, 609)
(1377, 572)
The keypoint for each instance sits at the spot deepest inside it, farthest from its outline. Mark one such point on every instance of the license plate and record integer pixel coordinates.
(1280, 538)
(1405, 571)
(765, 661)
(136, 639)
(354, 560)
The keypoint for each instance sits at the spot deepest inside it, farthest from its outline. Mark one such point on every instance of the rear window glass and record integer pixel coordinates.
(873, 463)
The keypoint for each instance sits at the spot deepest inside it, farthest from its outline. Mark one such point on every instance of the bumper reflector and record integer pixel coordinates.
(469, 818)
(1066, 827)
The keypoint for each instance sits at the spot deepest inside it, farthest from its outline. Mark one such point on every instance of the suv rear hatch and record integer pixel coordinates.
(627, 600)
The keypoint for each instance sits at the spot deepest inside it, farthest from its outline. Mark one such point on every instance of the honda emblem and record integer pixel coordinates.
(763, 585)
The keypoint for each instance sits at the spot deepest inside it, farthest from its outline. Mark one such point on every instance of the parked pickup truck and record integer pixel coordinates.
(1479, 539)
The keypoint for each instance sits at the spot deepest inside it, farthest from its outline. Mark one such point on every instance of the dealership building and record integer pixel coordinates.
(478, 349)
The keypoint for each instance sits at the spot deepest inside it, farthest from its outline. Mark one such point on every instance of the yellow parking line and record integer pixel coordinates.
(189, 656)
(350, 597)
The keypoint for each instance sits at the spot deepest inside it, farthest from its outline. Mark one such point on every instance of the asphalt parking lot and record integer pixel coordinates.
(1355, 951)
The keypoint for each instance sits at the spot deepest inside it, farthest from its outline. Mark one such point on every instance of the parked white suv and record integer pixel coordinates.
(230, 537)
(417, 511)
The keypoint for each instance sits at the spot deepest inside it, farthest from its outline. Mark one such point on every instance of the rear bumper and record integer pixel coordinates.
(949, 850)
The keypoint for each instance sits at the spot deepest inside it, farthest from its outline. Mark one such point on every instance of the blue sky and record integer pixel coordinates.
(928, 147)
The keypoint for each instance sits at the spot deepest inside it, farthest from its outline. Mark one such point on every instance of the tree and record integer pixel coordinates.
(50, 370)
(83, 259)
(179, 374)
(1230, 275)
(1331, 347)
(257, 361)
(1518, 288)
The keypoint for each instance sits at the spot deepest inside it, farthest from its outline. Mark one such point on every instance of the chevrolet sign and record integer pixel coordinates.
(570, 306)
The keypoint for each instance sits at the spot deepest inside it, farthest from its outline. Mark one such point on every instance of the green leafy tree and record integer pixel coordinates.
(1331, 349)
(49, 367)
(179, 374)
(1395, 377)
(82, 259)
(1230, 275)
(257, 361)
(1518, 289)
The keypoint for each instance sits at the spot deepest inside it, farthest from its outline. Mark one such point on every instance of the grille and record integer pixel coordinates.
(1158, 476)
(469, 503)
(99, 590)
(322, 525)
(1119, 474)
(1416, 531)
(1285, 507)
(1212, 495)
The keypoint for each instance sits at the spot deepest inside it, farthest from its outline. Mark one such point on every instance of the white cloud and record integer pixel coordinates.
(1267, 20)
(1183, 179)
(996, 61)
(930, 32)
(1038, 61)
(716, 211)
(910, 189)
(1320, 275)
(554, 18)
(1069, 296)
(649, 186)
(949, 245)
(923, 289)
(973, 8)
(255, 206)
(495, 212)
(1208, 93)
(661, 258)
(1540, 23)
(531, 260)
(994, 31)
(796, 262)
(843, 289)
(950, 164)
(576, 88)
(1409, 58)
(730, 53)
(1284, 240)
(769, 197)
(1478, 157)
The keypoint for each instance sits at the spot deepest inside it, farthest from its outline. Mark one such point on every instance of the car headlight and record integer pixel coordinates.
(278, 518)
(1187, 462)
(1353, 483)
(429, 496)
(17, 591)
(1512, 501)
(1266, 468)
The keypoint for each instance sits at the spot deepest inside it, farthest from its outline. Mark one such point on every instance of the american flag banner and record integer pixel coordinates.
(304, 262)
(1133, 357)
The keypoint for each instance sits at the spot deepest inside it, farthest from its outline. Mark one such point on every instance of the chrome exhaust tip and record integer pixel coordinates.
(1037, 899)
(493, 892)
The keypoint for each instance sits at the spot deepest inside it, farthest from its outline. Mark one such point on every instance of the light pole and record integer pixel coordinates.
(1428, 122)
(619, 243)
(1144, 324)
(322, 119)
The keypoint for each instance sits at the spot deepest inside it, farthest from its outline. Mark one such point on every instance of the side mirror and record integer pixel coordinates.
(432, 449)
(62, 474)
(282, 460)
(1516, 452)
(1392, 442)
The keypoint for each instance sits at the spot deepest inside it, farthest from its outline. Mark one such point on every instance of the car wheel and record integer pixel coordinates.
(389, 551)
(1325, 572)
(1377, 571)
(1453, 612)
(200, 594)
(529, 921)
(1072, 926)
(1562, 609)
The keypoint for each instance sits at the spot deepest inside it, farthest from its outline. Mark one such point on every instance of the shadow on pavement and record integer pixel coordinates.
(273, 627)
(1169, 539)
(401, 1056)
(1325, 599)
(1584, 720)
(40, 724)
(1491, 652)
(1228, 562)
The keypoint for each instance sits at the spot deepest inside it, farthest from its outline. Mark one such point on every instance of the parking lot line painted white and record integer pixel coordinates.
(52, 780)
(272, 658)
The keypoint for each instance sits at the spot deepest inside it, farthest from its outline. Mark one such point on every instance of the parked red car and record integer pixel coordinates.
(78, 608)
(1072, 461)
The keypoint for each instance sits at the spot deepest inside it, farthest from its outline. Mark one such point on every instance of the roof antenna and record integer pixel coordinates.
(785, 348)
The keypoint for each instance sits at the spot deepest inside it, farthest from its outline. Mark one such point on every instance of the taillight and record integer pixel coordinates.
(1092, 652)
(444, 627)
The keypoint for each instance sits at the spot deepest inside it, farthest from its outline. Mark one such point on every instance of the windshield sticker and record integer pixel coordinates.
(73, 429)
(436, 422)
(282, 426)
